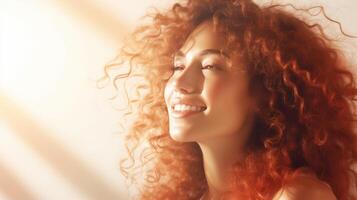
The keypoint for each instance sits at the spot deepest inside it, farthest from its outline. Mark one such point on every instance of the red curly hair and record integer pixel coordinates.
(300, 77)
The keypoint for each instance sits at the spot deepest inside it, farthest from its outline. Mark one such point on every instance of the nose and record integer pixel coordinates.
(189, 80)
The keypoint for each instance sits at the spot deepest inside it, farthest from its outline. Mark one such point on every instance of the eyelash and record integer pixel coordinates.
(204, 67)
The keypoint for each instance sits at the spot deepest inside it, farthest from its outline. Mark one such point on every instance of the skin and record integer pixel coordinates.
(223, 128)
(307, 187)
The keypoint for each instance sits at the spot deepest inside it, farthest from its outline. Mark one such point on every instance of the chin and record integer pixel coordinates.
(180, 137)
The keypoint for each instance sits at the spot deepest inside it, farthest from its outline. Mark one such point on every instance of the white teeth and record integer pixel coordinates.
(183, 107)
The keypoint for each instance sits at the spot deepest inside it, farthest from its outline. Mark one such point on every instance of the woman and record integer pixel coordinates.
(242, 102)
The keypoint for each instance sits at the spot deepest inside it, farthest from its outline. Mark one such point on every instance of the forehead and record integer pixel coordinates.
(201, 38)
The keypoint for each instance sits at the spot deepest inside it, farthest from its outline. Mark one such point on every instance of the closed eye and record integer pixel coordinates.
(211, 67)
(208, 67)
(178, 67)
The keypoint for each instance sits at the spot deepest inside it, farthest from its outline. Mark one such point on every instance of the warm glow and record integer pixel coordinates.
(57, 131)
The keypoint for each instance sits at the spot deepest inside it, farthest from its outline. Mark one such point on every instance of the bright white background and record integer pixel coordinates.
(58, 135)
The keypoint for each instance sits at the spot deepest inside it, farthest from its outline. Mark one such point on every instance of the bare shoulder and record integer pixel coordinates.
(307, 188)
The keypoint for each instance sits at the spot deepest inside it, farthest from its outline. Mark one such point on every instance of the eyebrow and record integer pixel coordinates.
(179, 53)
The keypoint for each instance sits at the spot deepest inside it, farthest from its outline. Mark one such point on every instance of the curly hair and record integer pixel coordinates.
(300, 77)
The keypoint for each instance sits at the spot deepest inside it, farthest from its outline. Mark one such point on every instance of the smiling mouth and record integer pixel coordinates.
(181, 112)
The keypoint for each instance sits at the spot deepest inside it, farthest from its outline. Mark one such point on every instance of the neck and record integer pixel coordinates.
(217, 161)
(219, 155)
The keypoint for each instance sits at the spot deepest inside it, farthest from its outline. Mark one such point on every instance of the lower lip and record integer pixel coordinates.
(182, 114)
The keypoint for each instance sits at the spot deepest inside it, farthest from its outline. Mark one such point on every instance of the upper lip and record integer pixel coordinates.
(187, 101)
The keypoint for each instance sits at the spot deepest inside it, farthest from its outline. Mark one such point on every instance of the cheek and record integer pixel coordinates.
(218, 91)
(226, 94)
(215, 88)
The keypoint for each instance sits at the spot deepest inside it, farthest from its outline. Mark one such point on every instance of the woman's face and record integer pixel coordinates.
(219, 99)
